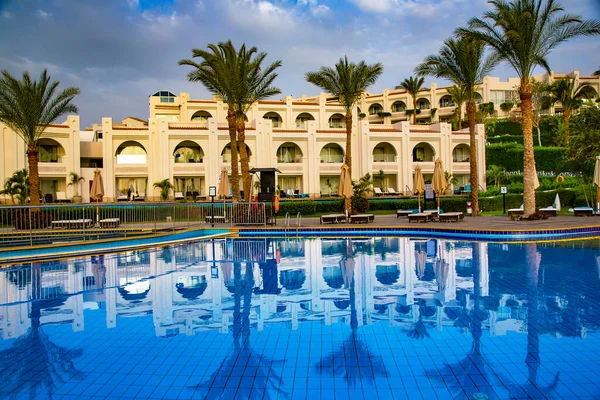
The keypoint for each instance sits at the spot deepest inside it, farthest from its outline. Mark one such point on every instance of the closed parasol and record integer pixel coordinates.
(418, 184)
(439, 183)
(224, 188)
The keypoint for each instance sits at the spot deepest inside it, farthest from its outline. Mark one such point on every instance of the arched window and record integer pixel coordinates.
(226, 153)
(289, 153)
(423, 152)
(201, 116)
(375, 109)
(337, 121)
(446, 101)
(384, 152)
(131, 152)
(274, 117)
(399, 106)
(302, 118)
(50, 151)
(188, 152)
(332, 153)
(423, 104)
(478, 98)
(461, 153)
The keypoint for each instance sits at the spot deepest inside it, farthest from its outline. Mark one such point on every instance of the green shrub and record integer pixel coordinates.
(515, 188)
(304, 207)
(510, 156)
(329, 206)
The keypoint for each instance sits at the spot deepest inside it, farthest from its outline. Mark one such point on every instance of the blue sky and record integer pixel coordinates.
(120, 51)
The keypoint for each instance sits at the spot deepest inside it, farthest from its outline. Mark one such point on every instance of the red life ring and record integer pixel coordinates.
(276, 204)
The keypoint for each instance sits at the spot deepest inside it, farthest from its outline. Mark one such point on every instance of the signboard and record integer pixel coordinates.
(429, 194)
(503, 189)
(212, 191)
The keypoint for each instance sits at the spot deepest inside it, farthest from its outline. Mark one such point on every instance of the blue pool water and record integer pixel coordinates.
(382, 318)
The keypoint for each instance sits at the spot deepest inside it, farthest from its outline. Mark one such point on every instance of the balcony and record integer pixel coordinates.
(46, 168)
(183, 168)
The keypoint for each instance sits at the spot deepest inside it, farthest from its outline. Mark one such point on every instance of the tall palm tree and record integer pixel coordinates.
(523, 33)
(462, 61)
(255, 82)
(570, 96)
(347, 81)
(458, 96)
(216, 72)
(28, 107)
(412, 86)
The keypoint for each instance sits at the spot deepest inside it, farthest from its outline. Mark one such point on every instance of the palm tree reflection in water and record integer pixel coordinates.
(266, 381)
(353, 361)
(34, 364)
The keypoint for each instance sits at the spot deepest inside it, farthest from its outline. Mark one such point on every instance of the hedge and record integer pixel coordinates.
(510, 157)
(546, 139)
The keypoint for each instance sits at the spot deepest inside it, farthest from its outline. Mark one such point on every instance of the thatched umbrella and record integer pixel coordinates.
(418, 184)
(439, 183)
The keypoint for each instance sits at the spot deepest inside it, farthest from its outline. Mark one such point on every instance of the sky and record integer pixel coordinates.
(118, 52)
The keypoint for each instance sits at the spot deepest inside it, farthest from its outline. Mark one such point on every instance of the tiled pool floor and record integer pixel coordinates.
(385, 318)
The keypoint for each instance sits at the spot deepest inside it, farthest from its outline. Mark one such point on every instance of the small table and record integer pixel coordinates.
(451, 217)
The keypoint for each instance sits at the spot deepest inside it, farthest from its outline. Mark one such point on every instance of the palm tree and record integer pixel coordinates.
(458, 96)
(570, 96)
(412, 86)
(17, 186)
(497, 173)
(74, 179)
(462, 61)
(216, 73)
(165, 187)
(28, 107)
(347, 81)
(522, 33)
(254, 83)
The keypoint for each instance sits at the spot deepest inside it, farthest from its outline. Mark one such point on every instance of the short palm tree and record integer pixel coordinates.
(28, 107)
(570, 96)
(17, 186)
(458, 97)
(347, 81)
(216, 71)
(462, 61)
(412, 86)
(523, 33)
(165, 187)
(255, 82)
(74, 179)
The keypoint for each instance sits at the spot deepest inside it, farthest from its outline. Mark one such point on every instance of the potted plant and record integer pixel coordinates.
(450, 181)
(165, 187)
(74, 180)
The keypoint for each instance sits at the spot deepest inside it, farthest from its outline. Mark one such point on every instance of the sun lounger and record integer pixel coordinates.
(109, 222)
(391, 191)
(515, 213)
(179, 196)
(123, 197)
(333, 218)
(583, 211)
(362, 218)
(419, 217)
(549, 211)
(61, 197)
(72, 224)
(403, 213)
(377, 191)
(451, 217)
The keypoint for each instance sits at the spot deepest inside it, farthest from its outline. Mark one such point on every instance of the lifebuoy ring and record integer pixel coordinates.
(256, 198)
(560, 178)
(276, 205)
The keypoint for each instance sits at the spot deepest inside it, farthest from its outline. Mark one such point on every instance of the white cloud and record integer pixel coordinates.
(258, 15)
(320, 11)
(375, 6)
(44, 15)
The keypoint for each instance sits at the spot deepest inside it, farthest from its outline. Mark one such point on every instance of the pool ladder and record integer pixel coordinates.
(287, 222)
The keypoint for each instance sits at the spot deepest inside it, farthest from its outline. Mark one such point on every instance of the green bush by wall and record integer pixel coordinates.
(510, 156)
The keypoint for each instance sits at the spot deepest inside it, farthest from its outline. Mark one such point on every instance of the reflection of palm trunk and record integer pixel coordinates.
(533, 338)
(248, 284)
(353, 312)
(237, 300)
(476, 321)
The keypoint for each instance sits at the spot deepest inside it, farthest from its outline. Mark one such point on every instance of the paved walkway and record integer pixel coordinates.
(488, 223)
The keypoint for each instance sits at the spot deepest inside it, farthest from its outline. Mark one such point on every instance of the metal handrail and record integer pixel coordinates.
(298, 219)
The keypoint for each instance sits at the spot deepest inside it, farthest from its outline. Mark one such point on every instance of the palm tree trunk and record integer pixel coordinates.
(528, 155)
(414, 98)
(471, 112)
(348, 161)
(539, 135)
(34, 176)
(241, 126)
(567, 119)
(460, 117)
(235, 176)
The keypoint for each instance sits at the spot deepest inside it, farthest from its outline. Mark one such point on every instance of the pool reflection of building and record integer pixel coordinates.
(190, 288)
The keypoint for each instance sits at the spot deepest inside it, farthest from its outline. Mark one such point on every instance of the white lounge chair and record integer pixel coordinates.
(61, 197)
(377, 191)
(391, 191)
(179, 196)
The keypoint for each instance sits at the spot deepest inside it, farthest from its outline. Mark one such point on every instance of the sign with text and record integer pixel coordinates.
(212, 191)
(503, 189)
(429, 194)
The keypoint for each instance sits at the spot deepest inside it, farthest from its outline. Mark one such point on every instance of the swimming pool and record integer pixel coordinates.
(309, 318)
